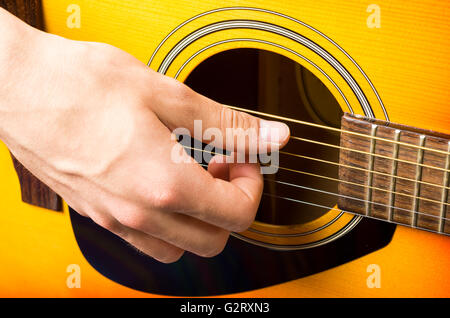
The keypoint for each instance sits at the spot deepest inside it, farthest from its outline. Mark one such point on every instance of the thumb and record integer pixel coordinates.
(227, 128)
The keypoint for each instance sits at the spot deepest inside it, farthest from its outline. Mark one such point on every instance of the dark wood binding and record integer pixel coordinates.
(29, 11)
(371, 178)
(33, 191)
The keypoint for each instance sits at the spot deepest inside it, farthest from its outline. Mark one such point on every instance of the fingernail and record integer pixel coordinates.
(273, 131)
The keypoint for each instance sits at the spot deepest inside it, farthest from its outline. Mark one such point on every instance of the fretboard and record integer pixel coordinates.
(395, 173)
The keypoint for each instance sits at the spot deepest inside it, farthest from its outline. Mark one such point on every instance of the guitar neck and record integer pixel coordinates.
(395, 173)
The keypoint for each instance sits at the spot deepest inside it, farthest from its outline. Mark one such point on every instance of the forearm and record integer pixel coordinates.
(19, 22)
(17, 45)
(14, 31)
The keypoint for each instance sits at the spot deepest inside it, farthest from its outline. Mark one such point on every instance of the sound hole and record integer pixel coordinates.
(271, 83)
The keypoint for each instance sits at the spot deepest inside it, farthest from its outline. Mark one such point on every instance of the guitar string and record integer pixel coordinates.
(340, 195)
(354, 213)
(297, 121)
(337, 180)
(358, 168)
(354, 198)
(368, 153)
(361, 185)
(362, 169)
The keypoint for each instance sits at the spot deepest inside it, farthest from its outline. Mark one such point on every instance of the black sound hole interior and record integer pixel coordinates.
(234, 77)
(273, 84)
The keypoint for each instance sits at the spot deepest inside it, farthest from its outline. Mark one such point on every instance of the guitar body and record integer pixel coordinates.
(388, 61)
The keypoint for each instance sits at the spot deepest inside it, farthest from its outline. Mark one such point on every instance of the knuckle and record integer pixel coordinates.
(226, 118)
(142, 220)
(163, 196)
(101, 51)
(218, 245)
(243, 223)
(112, 54)
(135, 220)
(171, 256)
(230, 118)
(180, 90)
(166, 198)
(110, 224)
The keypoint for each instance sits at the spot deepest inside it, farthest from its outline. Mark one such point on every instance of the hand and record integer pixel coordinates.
(94, 124)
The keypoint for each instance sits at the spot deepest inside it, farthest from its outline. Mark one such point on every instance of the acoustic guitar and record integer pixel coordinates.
(360, 203)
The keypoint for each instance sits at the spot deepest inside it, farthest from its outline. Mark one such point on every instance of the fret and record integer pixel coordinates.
(373, 133)
(404, 209)
(393, 173)
(446, 184)
(357, 159)
(381, 183)
(416, 201)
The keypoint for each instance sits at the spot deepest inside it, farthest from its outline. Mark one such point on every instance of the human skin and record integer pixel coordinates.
(94, 124)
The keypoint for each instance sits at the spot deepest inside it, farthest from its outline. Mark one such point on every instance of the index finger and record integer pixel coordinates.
(230, 204)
